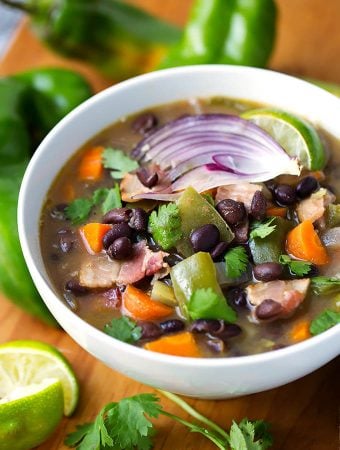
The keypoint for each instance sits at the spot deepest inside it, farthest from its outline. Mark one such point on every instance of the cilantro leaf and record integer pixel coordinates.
(78, 210)
(262, 229)
(207, 304)
(73, 439)
(124, 329)
(165, 225)
(298, 268)
(112, 200)
(236, 262)
(249, 435)
(327, 319)
(325, 285)
(118, 162)
(99, 195)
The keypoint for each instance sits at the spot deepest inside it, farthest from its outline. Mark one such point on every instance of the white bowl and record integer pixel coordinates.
(199, 377)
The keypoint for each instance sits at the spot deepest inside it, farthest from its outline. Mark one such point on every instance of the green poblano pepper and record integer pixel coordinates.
(238, 32)
(119, 39)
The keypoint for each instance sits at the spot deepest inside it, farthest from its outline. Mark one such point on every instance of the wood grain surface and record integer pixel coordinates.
(303, 414)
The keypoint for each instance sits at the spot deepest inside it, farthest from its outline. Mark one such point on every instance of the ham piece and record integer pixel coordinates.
(241, 192)
(101, 272)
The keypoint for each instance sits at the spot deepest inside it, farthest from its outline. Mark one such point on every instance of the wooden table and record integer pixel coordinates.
(304, 413)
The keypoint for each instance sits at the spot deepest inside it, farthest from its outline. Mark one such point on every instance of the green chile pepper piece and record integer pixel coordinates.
(196, 272)
(333, 215)
(15, 280)
(271, 247)
(196, 211)
(14, 136)
(52, 93)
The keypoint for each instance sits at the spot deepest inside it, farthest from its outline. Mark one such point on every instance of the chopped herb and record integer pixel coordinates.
(118, 162)
(99, 195)
(299, 268)
(165, 225)
(124, 329)
(78, 210)
(327, 319)
(112, 200)
(207, 304)
(325, 285)
(236, 262)
(125, 425)
(262, 229)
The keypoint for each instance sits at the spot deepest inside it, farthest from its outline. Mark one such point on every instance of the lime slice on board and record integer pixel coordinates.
(296, 136)
(25, 363)
(30, 414)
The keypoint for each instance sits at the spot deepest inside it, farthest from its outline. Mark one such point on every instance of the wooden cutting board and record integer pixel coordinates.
(303, 414)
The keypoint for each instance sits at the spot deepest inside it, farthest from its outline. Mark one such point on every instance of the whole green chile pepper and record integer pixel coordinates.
(226, 32)
(119, 39)
(51, 93)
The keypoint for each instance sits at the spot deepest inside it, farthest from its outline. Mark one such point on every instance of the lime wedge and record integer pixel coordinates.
(29, 414)
(25, 363)
(296, 136)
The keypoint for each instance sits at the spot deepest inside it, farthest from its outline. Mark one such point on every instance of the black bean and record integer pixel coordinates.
(173, 259)
(117, 215)
(268, 309)
(144, 123)
(258, 206)
(268, 271)
(241, 232)
(285, 194)
(237, 297)
(218, 250)
(150, 330)
(139, 219)
(172, 325)
(76, 288)
(216, 345)
(58, 212)
(148, 178)
(206, 325)
(118, 230)
(231, 211)
(204, 238)
(121, 248)
(306, 187)
(227, 331)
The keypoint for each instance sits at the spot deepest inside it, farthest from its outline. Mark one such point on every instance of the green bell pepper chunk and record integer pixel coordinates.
(119, 39)
(15, 280)
(14, 137)
(333, 215)
(204, 214)
(226, 32)
(271, 247)
(51, 94)
(194, 273)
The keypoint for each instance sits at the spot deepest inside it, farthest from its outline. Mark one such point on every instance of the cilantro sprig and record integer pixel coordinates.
(262, 229)
(118, 162)
(165, 225)
(126, 425)
(123, 329)
(327, 319)
(236, 262)
(299, 268)
(79, 210)
(207, 304)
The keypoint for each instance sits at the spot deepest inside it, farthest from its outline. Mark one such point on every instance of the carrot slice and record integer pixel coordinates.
(92, 234)
(140, 306)
(181, 344)
(304, 243)
(91, 166)
(276, 211)
(300, 331)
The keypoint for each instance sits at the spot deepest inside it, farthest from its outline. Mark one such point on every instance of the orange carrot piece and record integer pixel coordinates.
(276, 211)
(181, 344)
(91, 166)
(92, 234)
(69, 192)
(140, 306)
(304, 243)
(318, 174)
(300, 331)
